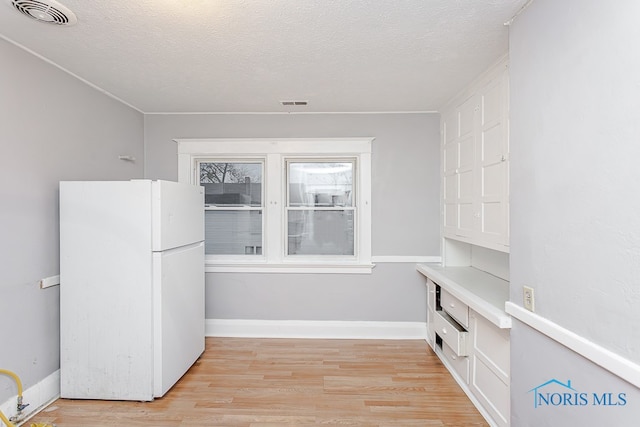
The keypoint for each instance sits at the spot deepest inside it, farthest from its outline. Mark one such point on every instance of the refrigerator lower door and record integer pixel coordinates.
(178, 297)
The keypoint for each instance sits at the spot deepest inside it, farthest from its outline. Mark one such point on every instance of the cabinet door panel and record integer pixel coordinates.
(492, 148)
(466, 117)
(450, 127)
(492, 218)
(492, 344)
(450, 188)
(493, 103)
(451, 215)
(491, 391)
(466, 153)
(450, 158)
(493, 181)
(465, 185)
(465, 219)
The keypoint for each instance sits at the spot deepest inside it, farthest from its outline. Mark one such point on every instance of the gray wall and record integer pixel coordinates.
(575, 228)
(52, 128)
(405, 194)
(535, 359)
(393, 292)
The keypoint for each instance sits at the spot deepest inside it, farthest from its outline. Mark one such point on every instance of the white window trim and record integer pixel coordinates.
(274, 150)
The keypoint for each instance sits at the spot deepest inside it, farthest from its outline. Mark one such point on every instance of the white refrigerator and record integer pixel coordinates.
(131, 287)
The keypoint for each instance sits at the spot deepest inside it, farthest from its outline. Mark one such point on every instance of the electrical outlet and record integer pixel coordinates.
(528, 299)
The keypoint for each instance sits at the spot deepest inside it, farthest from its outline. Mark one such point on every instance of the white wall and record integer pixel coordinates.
(575, 228)
(52, 128)
(405, 215)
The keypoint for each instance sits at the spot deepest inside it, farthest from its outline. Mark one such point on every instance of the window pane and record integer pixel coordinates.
(320, 183)
(233, 232)
(325, 232)
(231, 184)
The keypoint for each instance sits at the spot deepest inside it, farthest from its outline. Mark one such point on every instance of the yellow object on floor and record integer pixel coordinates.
(4, 419)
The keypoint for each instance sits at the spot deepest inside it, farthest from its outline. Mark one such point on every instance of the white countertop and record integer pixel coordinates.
(482, 292)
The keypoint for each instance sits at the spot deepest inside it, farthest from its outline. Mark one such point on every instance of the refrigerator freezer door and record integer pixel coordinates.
(178, 214)
(178, 313)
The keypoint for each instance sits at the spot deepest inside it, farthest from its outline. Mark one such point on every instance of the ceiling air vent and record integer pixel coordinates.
(300, 103)
(49, 11)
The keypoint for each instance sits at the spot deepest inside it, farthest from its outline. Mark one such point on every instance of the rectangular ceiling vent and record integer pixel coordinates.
(294, 103)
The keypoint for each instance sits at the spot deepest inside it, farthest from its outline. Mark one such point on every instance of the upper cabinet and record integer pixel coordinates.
(475, 162)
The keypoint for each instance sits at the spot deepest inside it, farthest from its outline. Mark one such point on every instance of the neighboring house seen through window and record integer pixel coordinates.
(233, 207)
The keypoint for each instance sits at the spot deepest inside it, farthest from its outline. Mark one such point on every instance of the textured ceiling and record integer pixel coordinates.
(248, 55)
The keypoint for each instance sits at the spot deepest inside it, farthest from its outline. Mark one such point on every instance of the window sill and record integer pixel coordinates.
(211, 267)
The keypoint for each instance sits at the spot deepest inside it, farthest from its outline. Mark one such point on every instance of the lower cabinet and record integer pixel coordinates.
(475, 351)
(490, 364)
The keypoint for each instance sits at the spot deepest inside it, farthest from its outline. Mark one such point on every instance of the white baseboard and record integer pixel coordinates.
(614, 363)
(327, 329)
(37, 396)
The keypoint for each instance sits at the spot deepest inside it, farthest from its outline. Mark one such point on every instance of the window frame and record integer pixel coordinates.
(275, 153)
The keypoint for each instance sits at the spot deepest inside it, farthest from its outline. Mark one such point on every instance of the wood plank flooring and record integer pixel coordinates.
(293, 382)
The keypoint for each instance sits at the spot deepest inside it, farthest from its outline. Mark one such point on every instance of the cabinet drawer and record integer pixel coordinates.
(451, 333)
(460, 364)
(455, 308)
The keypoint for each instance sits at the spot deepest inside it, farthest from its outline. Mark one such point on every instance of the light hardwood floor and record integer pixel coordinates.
(293, 382)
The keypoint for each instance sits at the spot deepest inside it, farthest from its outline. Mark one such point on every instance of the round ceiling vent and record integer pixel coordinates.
(45, 11)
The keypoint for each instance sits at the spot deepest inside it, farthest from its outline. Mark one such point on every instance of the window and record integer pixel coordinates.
(233, 207)
(283, 205)
(320, 209)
